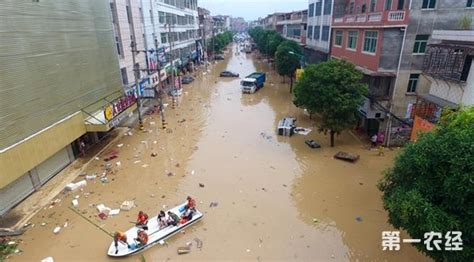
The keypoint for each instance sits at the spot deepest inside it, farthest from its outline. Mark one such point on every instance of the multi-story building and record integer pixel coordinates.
(370, 35)
(205, 28)
(318, 30)
(426, 18)
(172, 25)
(60, 104)
(127, 20)
(449, 70)
(292, 25)
(270, 21)
(238, 24)
(221, 23)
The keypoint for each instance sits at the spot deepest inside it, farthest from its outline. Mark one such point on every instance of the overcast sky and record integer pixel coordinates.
(251, 9)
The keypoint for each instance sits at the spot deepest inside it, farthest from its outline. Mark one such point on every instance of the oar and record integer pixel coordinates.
(97, 226)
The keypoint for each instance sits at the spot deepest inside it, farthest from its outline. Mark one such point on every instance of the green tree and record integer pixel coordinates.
(267, 41)
(287, 59)
(334, 90)
(274, 40)
(431, 186)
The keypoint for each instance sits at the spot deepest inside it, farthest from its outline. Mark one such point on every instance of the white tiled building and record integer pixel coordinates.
(318, 30)
(128, 24)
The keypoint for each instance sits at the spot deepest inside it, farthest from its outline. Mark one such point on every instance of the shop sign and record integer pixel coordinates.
(118, 106)
(163, 75)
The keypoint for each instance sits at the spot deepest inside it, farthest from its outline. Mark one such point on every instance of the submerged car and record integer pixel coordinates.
(219, 57)
(187, 79)
(229, 74)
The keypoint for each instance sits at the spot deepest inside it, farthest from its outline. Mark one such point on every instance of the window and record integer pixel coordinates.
(161, 17)
(119, 46)
(420, 44)
(325, 34)
(338, 38)
(412, 83)
(351, 8)
(311, 10)
(428, 4)
(352, 40)
(470, 3)
(164, 38)
(318, 9)
(123, 71)
(388, 4)
(129, 14)
(372, 5)
(362, 10)
(114, 12)
(370, 41)
(327, 7)
(317, 30)
(310, 32)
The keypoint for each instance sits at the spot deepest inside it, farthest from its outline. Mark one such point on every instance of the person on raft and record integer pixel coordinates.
(142, 220)
(173, 219)
(142, 237)
(191, 203)
(120, 237)
(162, 219)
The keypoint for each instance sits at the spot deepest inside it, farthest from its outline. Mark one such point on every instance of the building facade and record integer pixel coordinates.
(318, 36)
(426, 17)
(370, 35)
(292, 25)
(66, 100)
(238, 24)
(128, 24)
(205, 29)
(448, 68)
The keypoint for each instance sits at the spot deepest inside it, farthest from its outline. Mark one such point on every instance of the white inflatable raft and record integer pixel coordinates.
(155, 235)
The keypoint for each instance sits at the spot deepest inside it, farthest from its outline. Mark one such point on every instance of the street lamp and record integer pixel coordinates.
(300, 56)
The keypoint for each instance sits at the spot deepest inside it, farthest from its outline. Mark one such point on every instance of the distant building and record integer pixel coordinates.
(318, 35)
(205, 28)
(292, 25)
(221, 23)
(238, 24)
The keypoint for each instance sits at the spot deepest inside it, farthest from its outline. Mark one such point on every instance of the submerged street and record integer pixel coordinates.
(277, 199)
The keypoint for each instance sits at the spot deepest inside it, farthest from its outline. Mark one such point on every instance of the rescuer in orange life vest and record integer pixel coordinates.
(142, 237)
(120, 237)
(142, 220)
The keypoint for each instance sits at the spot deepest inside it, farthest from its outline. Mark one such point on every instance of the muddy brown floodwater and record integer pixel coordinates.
(277, 198)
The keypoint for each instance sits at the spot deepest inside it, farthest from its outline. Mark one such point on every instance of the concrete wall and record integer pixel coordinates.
(319, 20)
(391, 46)
(444, 17)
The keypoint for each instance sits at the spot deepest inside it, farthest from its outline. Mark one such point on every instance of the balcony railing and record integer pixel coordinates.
(396, 16)
(350, 19)
(375, 17)
(389, 17)
(361, 18)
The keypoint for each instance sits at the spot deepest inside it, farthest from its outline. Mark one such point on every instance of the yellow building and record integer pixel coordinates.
(59, 85)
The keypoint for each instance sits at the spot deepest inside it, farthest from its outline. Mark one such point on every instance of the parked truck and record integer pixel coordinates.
(253, 82)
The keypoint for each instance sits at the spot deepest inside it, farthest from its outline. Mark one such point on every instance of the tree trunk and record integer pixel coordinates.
(332, 138)
(291, 84)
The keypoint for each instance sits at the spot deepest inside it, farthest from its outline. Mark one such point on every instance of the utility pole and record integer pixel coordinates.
(136, 71)
(160, 94)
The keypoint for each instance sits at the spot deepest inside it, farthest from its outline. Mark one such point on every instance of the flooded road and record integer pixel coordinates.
(277, 198)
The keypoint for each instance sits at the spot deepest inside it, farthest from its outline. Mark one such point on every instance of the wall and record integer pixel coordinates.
(60, 57)
(23, 157)
(126, 31)
(390, 49)
(444, 17)
(321, 20)
(357, 57)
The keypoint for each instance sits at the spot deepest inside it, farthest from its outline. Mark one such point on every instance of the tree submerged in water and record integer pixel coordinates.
(334, 90)
(431, 186)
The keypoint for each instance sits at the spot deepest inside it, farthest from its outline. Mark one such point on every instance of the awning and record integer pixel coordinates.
(438, 101)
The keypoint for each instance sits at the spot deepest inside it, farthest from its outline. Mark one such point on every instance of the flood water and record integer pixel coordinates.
(277, 198)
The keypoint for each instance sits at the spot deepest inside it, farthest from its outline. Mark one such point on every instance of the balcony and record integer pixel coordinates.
(385, 18)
